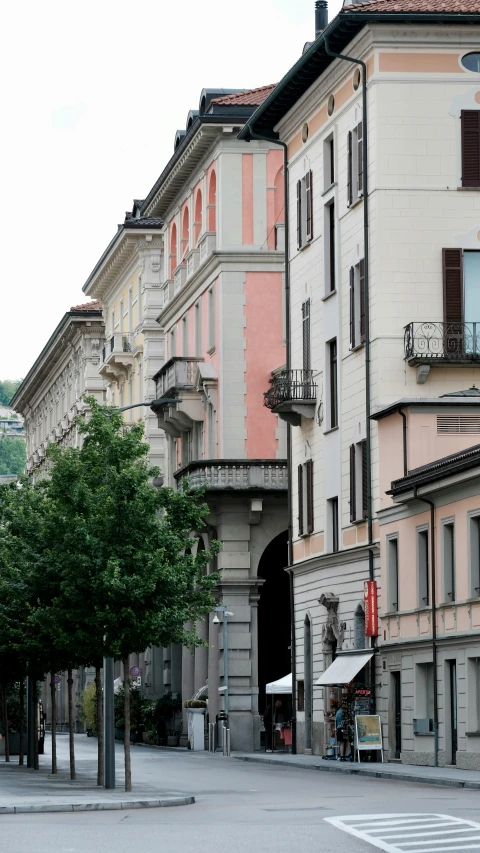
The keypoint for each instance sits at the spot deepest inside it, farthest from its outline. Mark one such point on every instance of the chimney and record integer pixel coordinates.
(321, 17)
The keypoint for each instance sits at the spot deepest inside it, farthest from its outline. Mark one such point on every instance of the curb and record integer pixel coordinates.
(375, 774)
(105, 805)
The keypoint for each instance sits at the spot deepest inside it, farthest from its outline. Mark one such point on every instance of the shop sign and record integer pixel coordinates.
(371, 608)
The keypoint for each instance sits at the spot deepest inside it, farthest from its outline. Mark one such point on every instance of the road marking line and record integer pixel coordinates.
(389, 832)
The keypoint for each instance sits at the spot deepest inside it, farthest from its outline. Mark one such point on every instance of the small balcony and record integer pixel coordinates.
(236, 475)
(117, 354)
(430, 343)
(292, 395)
(177, 379)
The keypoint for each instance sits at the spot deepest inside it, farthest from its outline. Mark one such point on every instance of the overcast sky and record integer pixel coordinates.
(93, 94)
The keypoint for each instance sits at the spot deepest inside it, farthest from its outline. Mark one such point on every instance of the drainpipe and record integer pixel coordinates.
(434, 622)
(371, 574)
(259, 136)
(404, 428)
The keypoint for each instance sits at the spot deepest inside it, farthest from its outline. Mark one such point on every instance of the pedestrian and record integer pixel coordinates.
(273, 714)
(340, 733)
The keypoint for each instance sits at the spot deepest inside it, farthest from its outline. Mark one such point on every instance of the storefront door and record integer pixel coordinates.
(397, 711)
(453, 709)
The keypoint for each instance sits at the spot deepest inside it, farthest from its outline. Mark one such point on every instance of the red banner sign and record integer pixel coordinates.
(371, 608)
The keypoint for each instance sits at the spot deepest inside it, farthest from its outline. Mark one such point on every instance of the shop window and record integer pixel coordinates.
(423, 568)
(424, 691)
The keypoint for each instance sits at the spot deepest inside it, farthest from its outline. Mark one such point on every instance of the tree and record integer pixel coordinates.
(8, 388)
(12, 455)
(130, 545)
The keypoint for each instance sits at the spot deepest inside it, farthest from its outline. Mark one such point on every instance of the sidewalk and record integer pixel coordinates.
(449, 777)
(23, 790)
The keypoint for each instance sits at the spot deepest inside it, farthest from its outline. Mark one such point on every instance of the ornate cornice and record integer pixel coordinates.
(123, 248)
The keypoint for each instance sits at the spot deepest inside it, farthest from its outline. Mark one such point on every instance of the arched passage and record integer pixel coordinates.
(274, 625)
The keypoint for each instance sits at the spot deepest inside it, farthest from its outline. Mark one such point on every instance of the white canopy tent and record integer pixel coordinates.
(280, 687)
(344, 668)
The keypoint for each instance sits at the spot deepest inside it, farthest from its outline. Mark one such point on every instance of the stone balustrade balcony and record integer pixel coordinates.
(270, 475)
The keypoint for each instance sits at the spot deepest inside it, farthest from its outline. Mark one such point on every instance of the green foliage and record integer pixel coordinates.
(88, 707)
(7, 390)
(141, 710)
(13, 455)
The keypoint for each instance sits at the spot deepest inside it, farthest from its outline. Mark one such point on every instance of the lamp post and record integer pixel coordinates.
(108, 662)
(216, 621)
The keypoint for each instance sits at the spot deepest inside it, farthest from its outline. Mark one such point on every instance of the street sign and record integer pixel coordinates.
(57, 679)
(134, 671)
(139, 681)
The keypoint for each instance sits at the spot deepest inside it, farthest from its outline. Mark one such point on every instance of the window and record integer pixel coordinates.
(423, 568)
(358, 481)
(198, 439)
(306, 335)
(449, 561)
(333, 520)
(359, 627)
(139, 300)
(471, 61)
(329, 162)
(424, 697)
(304, 210)
(333, 379)
(305, 498)
(198, 328)
(355, 164)
(392, 569)
(130, 310)
(330, 262)
(461, 295)
(357, 305)
(470, 131)
(475, 556)
(185, 336)
(121, 315)
(211, 319)
(173, 344)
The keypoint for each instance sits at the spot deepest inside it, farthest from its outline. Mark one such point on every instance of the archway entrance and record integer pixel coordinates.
(274, 624)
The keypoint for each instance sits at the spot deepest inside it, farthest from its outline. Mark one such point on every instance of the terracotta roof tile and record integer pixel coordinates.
(442, 6)
(253, 97)
(88, 306)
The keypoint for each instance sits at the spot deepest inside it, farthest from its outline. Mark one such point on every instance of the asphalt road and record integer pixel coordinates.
(251, 808)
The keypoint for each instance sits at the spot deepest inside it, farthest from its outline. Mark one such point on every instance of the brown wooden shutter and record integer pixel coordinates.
(362, 301)
(299, 214)
(470, 123)
(360, 158)
(352, 307)
(349, 168)
(309, 491)
(309, 205)
(452, 286)
(364, 478)
(353, 507)
(300, 500)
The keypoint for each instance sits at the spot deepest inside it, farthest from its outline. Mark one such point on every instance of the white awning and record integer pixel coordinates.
(283, 685)
(344, 668)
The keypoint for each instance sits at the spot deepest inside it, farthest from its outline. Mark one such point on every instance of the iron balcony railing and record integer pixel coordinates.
(447, 342)
(290, 386)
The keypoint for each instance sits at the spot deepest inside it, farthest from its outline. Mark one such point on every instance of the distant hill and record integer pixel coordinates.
(7, 390)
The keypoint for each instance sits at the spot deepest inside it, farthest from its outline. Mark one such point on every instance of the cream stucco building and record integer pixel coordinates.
(384, 261)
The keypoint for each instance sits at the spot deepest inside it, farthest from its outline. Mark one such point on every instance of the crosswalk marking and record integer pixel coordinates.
(412, 833)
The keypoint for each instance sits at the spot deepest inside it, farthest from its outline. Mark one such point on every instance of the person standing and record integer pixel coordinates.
(340, 733)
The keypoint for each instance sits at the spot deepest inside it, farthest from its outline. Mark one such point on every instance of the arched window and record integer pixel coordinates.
(197, 224)
(173, 249)
(185, 232)
(212, 203)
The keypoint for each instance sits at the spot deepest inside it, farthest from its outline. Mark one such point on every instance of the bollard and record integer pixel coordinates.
(227, 739)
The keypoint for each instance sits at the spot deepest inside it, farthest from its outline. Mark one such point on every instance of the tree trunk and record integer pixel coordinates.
(5, 723)
(21, 714)
(126, 688)
(99, 708)
(71, 724)
(53, 697)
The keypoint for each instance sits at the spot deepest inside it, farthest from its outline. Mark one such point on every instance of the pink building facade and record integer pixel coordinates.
(223, 322)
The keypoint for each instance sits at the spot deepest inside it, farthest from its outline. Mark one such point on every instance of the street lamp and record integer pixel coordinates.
(216, 621)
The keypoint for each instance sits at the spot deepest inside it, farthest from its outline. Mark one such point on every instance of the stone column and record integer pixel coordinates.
(201, 656)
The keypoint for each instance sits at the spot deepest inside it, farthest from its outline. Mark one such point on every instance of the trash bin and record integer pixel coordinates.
(222, 721)
(196, 728)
